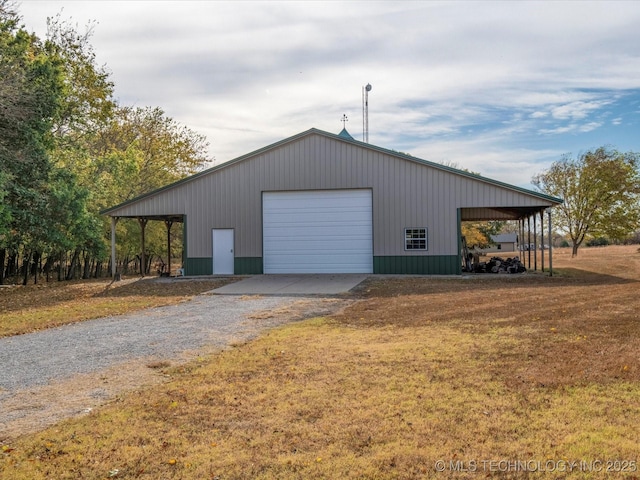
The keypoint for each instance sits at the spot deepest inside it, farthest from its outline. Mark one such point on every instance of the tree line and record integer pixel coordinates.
(68, 150)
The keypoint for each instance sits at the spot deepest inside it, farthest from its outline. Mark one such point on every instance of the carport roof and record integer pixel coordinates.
(503, 213)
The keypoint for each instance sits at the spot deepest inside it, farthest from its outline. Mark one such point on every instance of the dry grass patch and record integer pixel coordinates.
(514, 368)
(325, 400)
(36, 307)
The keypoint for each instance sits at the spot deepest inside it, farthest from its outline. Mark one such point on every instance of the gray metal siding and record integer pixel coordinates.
(405, 194)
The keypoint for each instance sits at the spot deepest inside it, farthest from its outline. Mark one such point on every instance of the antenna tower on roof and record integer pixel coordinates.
(365, 112)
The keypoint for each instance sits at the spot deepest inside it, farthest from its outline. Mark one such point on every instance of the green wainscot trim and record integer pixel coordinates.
(248, 265)
(417, 265)
(241, 266)
(198, 266)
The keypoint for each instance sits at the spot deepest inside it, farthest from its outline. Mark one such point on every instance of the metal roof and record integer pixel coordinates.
(343, 138)
(505, 238)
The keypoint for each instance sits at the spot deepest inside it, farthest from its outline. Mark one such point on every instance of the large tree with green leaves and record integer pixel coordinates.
(68, 150)
(30, 93)
(139, 151)
(115, 152)
(142, 149)
(478, 234)
(601, 193)
(86, 108)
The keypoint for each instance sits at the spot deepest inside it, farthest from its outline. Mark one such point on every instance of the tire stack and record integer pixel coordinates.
(500, 265)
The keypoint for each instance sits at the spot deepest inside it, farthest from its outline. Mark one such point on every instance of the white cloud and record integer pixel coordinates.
(588, 127)
(452, 75)
(558, 130)
(576, 110)
(511, 165)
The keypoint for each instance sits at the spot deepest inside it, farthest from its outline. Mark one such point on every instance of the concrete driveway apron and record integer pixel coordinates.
(304, 284)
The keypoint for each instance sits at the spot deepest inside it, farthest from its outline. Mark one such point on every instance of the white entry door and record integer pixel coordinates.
(222, 251)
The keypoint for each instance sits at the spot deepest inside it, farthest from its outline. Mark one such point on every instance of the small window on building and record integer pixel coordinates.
(415, 239)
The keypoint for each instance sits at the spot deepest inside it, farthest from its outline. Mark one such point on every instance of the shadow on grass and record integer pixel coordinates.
(410, 285)
(156, 287)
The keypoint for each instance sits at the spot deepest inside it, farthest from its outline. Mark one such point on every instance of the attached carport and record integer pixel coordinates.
(527, 218)
(168, 220)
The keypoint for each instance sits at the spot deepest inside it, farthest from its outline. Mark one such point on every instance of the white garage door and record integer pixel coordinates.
(320, 231)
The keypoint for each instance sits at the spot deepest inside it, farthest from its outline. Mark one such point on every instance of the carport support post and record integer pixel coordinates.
(143, 261)
(114, 221)
(550, 245)
(542, 237)
(168, 223)
(521, 222)
(535, 243)
(529, 240)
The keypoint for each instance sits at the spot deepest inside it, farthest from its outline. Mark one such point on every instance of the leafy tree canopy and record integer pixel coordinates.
(601, 193)
(68, 150)
(478, 234)
(30, 93)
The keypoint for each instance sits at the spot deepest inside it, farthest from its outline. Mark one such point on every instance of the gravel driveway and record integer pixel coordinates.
(39, 360)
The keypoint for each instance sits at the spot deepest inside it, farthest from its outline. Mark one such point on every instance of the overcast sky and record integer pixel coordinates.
(501, 88)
